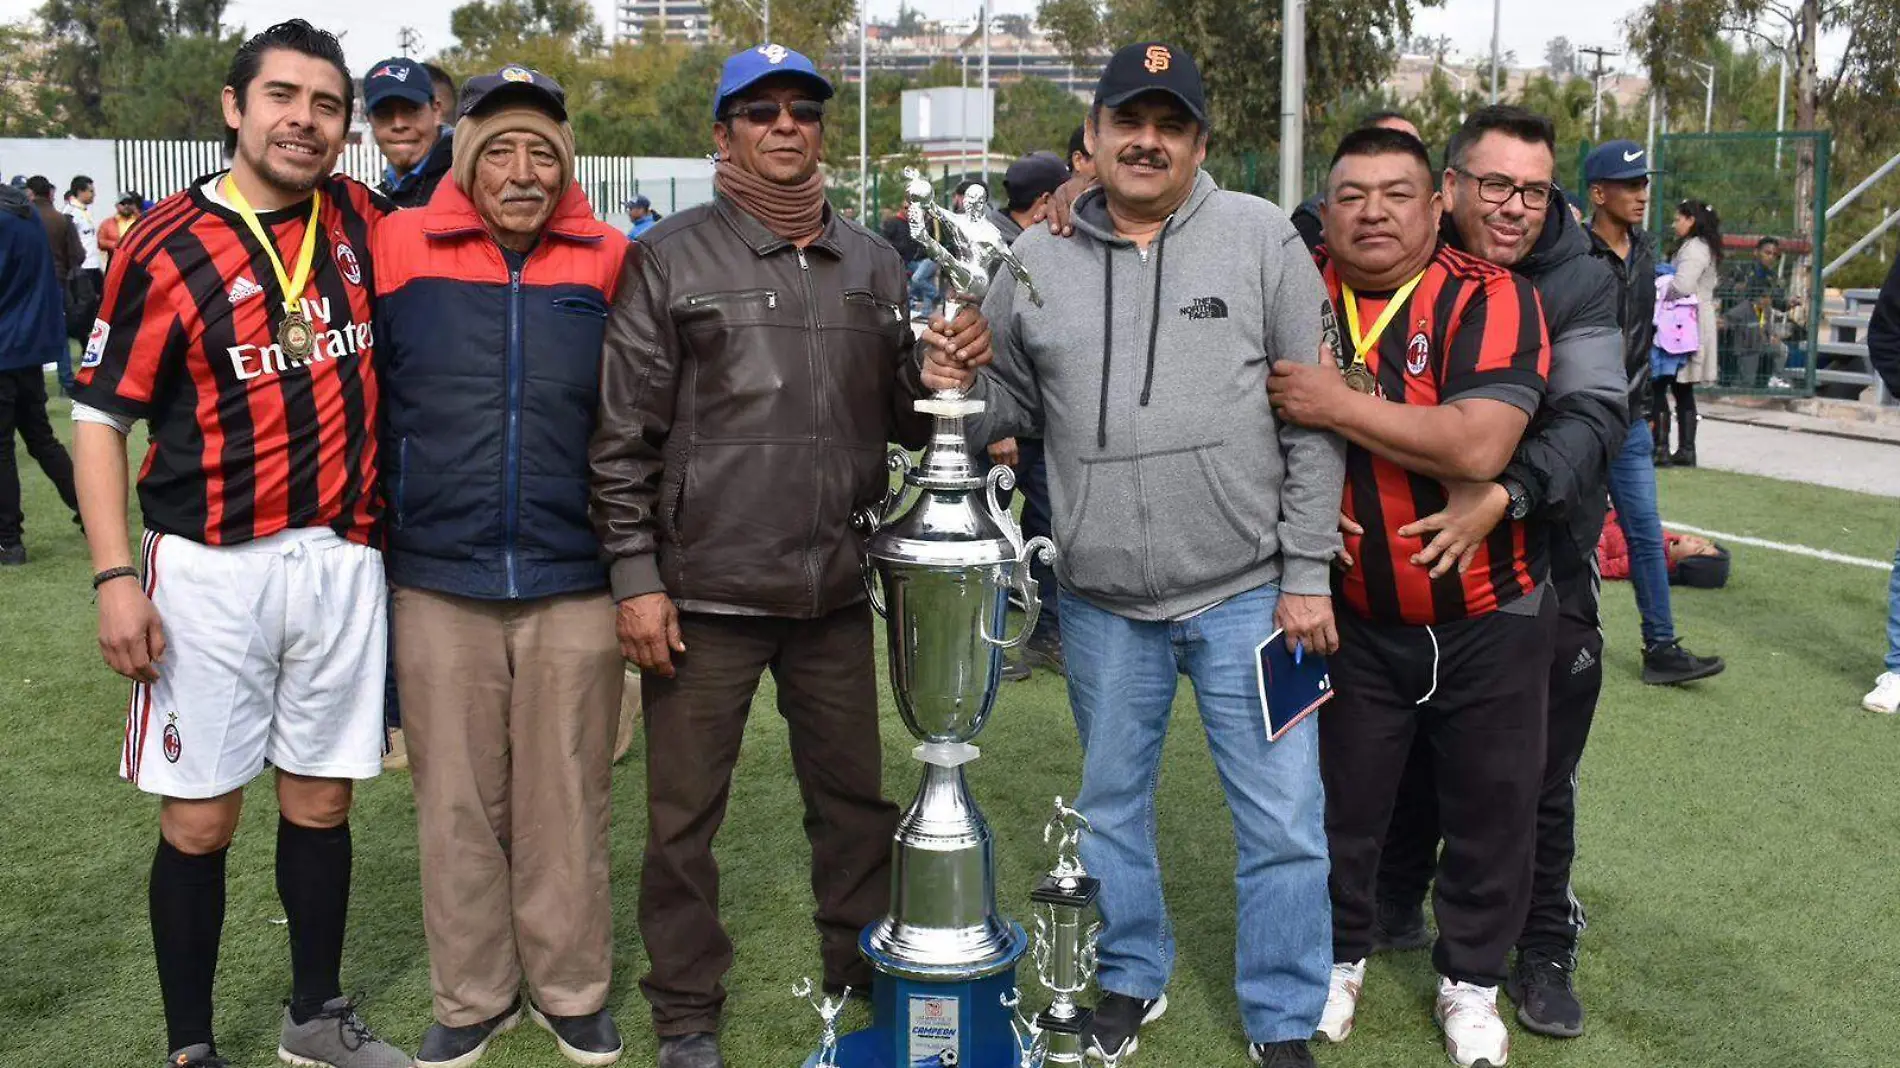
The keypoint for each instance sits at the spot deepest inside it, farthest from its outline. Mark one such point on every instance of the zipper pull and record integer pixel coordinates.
(771, 298)
(803, 265)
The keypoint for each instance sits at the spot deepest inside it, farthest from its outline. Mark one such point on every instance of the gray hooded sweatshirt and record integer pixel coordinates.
(1172, 485)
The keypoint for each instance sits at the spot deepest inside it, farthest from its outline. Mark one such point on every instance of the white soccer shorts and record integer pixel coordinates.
(274, 651)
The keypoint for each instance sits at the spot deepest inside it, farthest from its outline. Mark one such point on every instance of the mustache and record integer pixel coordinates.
(1153, 157)
(517, 193)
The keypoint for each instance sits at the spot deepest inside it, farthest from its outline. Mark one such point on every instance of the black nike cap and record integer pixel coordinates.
(1152, 67)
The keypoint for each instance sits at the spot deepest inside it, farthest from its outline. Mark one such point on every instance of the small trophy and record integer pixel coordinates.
(1032, 1042)
(828, 1011)
(1064, 951)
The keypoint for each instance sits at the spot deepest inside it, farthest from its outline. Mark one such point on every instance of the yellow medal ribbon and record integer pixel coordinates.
(292, 287)
(1362, 344)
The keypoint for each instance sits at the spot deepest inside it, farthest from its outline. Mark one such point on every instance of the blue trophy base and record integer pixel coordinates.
(937, 1022)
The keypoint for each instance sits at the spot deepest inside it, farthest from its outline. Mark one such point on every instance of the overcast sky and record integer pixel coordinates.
(371, 31)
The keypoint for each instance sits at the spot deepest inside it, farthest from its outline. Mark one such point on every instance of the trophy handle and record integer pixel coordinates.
(869, 521)
(1028, 587)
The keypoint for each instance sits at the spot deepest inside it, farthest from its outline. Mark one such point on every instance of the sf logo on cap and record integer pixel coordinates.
(516, 74)
(1159, 59)
(774, 54)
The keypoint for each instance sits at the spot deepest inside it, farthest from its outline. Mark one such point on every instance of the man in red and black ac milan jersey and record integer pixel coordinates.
(237, 325)
(1445, 361)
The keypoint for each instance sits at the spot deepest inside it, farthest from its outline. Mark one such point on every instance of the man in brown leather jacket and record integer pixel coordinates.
(758, 359)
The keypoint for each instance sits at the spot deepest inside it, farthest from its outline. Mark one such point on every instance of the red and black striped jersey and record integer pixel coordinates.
(1470, 329)
(245, 441)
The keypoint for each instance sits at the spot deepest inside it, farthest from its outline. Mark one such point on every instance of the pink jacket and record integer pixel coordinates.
(1678, 325)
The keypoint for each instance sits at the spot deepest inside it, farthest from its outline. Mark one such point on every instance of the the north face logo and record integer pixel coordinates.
(1205, 308)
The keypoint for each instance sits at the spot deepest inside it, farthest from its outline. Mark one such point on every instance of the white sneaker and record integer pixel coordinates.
(1885, 696)
(1342, 1001)
(1475, 1035)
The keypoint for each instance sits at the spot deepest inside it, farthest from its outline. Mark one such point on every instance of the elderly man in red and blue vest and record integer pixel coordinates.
(494, 300)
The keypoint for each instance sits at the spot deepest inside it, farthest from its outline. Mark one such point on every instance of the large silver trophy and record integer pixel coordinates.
(943, 557)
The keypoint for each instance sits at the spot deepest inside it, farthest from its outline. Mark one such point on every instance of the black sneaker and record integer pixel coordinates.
(691, 1051)
(13, 556)
(1546, 1002)
(1682, 458)
(1045, 650)
(591, 1039)
(1293, 1054)
(1016, 670)
(198, 1056)
(1669, 664)
(1117, 1021)
(458, 1047)
(1399, 928)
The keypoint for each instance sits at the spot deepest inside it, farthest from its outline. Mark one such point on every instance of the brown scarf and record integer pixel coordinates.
(793, 212)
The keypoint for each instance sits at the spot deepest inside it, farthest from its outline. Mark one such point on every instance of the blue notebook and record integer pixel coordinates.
(1290, 689)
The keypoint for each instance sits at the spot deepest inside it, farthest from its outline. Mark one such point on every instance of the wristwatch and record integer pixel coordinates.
(1520, 501)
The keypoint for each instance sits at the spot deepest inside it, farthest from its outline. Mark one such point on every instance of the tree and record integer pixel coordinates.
(498, 30)
(175, 93)
(91, 38)
(29, 100)
(807, 26)
(1350, 45)
(1035, 115)
(1561, 57)
(910, 21)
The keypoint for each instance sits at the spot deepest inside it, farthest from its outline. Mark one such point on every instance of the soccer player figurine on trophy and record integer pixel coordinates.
(828, 1010)
(975, 246)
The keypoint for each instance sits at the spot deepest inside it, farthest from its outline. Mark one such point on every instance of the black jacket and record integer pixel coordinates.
(1883, 332)
(414, 189)
(1635, 308)
(1564, 460)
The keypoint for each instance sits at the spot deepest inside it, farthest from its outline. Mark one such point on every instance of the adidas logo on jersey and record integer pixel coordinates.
(1584, 662)
(245, 289)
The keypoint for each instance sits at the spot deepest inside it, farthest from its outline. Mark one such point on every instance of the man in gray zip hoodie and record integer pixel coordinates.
(1190, 524)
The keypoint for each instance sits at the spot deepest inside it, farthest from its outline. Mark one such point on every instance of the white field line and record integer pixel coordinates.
(1782, 546)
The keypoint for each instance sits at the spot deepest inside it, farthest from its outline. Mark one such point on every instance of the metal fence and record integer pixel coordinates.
(158, 169)
(1769, 308)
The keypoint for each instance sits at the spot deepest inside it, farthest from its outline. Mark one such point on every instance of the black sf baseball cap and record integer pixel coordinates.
(1152, 67)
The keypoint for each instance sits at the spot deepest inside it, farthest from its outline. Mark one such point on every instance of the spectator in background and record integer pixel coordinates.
(114, 230)
(444, 87)
(79, 198)
(1883, 351)
(1758, 315)
(77, 307)
(417, 148)
(1081, 164)
(1698, 262)
(1617, 174)
(32, 334)
(640, 212)
(1027, 186)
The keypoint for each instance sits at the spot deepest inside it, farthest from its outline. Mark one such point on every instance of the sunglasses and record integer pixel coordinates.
(766, 112)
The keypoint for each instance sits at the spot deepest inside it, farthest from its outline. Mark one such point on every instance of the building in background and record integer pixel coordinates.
(677, 20)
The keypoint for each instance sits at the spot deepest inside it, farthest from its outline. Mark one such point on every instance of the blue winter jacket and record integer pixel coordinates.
(490, 376)
(32, 308)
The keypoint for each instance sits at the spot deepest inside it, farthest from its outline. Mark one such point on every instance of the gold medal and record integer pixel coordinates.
(295, 334)
(296, 337)
(1358, 375)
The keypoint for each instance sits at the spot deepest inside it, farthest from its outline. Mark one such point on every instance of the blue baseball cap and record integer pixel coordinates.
(754, 65)
(640, 201)
(400, 78)
(1616, 161)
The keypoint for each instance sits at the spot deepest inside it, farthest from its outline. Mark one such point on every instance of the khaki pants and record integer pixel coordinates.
(510, 710)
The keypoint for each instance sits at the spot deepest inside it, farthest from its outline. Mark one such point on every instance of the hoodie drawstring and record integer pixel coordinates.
(1108, 339)
(1108, 329)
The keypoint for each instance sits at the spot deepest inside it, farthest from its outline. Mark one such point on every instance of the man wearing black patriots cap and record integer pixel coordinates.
(1192, 525)
(399, 98)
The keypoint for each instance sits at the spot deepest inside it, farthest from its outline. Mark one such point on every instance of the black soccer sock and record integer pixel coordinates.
(186, 899)
(313, 879)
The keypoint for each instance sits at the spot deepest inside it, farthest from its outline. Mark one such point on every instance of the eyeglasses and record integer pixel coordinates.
(1495, 190)
(766, 112)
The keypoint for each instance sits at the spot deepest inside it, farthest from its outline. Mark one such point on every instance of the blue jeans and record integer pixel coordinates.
(1122, 679)
(1633, 491)
(1893, 616)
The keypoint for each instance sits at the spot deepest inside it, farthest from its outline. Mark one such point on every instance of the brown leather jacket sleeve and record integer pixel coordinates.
(639, 377)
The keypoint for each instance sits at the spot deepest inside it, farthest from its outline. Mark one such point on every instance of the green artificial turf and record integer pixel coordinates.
(1736, 851)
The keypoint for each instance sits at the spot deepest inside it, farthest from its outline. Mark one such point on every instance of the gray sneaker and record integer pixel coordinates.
(336, 1038)
(691, 1051)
